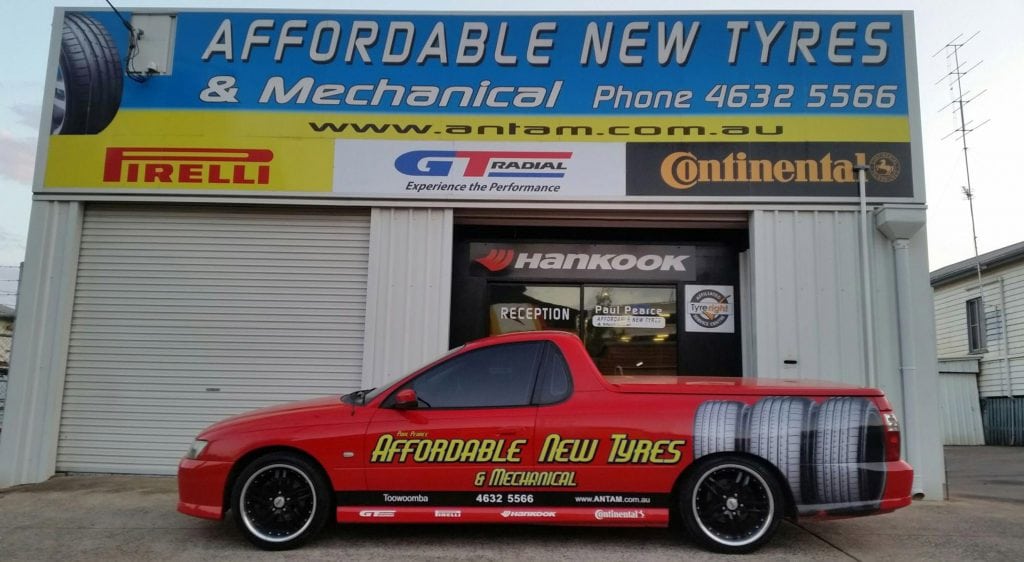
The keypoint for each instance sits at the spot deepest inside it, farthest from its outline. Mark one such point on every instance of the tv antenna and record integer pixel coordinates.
(955, 76)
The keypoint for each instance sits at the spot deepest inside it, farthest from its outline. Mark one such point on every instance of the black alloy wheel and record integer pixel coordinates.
(280, 501)
(731, 504)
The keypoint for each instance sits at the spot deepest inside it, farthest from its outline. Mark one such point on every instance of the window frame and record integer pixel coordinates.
(551, 351)
(389, 402)
(976, 327)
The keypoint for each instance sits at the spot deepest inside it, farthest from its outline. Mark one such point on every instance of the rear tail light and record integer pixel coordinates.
(892, 437)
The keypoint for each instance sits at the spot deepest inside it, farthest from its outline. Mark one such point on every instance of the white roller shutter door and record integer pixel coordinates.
(186, 315)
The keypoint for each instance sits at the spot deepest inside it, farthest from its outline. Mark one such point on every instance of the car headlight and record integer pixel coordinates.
(196, 449)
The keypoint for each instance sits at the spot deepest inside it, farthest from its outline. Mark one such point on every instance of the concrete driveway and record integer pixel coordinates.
(133, 518)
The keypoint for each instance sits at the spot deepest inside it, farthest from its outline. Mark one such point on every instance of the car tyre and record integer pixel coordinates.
(777, 427)
(89, 81)
(717, 427)
(731, 504)
(848, 440)
(280, 500)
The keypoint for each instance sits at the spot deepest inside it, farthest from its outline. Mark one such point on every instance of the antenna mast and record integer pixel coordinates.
(956, 75)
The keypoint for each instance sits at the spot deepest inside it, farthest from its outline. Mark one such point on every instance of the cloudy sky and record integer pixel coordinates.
(999, 47)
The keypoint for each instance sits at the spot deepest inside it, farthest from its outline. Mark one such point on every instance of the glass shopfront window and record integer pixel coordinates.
(527, 308)
(631, 330)
(627, 330)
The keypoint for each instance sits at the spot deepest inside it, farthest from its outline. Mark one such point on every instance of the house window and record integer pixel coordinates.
(975, 326)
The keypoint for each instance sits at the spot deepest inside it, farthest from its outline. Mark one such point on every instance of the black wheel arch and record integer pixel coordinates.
(247, 459)
(790, 512)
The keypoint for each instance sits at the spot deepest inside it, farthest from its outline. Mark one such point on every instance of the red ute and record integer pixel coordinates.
(523, 429)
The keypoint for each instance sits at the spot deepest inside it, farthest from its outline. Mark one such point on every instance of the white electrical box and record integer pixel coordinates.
(156, 43)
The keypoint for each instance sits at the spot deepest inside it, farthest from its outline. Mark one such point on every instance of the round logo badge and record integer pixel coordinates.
(884, 167)
(709, 308)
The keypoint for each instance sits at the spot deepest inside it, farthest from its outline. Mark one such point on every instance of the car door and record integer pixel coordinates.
(474, 418)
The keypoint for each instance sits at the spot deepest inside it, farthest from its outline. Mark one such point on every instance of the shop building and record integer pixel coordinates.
(237, 232)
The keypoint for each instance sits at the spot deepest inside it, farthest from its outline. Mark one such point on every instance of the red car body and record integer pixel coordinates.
(586, 449)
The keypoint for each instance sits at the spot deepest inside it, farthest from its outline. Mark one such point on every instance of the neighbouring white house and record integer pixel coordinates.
(980, 342)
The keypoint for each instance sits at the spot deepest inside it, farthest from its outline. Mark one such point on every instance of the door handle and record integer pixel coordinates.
(510, 430)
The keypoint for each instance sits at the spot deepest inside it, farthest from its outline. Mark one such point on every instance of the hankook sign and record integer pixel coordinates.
(583, 261)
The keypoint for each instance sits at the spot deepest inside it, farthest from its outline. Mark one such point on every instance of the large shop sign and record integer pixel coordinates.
(748, 106)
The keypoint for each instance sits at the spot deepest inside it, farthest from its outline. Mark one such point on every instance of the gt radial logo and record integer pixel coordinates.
(484, 163)
(227, 166)
(497, 259)
(377, 513)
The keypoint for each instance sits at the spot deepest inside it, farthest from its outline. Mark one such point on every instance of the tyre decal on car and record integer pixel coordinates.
(830, 453)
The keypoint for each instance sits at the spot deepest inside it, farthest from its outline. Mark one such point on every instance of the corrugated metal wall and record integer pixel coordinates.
(1004, 421)
(807, 290)
(185, 315)
(410, 288)
(960, 409)
(31, 423)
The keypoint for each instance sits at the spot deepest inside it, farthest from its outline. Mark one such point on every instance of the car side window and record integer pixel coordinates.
(495, 376)
(554, 383)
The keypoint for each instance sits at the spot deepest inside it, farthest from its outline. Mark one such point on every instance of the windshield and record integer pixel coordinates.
(375, 392)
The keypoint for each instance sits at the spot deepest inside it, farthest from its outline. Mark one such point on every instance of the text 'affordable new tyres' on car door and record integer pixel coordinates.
(473, 427)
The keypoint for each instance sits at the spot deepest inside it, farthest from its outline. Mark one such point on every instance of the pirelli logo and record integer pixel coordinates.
(163, 166)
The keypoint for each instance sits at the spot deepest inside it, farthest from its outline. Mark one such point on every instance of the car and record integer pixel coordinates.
(523, 428)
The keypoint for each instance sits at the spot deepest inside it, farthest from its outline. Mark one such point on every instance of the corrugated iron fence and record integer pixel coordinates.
(1004, 420)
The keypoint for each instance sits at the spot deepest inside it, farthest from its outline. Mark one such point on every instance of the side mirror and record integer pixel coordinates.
(406, 400)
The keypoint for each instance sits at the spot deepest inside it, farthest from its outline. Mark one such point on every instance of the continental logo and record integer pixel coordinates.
(601, 514)
(161, 166)
(683, 170)
(884, 167)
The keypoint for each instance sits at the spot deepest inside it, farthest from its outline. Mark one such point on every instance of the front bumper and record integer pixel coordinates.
(201, 486)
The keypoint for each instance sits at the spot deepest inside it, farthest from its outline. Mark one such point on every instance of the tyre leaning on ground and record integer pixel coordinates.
(731, 503)
(848, 439)
(87, 94)
(280, 501)
(777, 428)
(718, 427)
